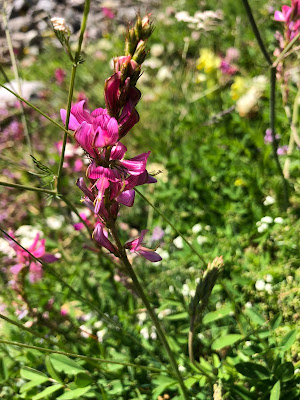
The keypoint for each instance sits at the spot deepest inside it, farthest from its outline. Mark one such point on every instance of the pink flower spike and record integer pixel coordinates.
(100, 237)
(112, 93)
(135, 246)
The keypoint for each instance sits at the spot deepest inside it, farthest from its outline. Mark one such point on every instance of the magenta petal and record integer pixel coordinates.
(73, 123)
(113, 131)
(118, 151)
(278, 16)
(98, 111)
(96, 172)
(40, 251)
(80, 114)
(49, 258)
(84, 136)
(126, 198)
(15, 269)
(102, 184)
(35, 272)
(149, 254)
(32, 247)
(101, 239)
(136, 165)
(112, 93)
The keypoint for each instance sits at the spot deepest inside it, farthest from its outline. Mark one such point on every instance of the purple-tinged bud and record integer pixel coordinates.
(101, 238)
(147, 27)
(82, 186)
(112, 94)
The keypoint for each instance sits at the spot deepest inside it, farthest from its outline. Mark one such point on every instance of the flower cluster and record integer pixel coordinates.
(113, 177)
(290, 16)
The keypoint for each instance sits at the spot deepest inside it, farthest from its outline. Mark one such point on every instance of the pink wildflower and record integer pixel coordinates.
(60, 75)
(290, 16)
(107, 12)
(136, 246)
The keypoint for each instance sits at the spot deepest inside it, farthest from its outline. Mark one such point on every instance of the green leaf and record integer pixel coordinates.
(29, 385)
(288, 340)
(83, 380)
(3, 370)
(215, 315)
(47, 391)
(163, 383)
(252, 370)
(226, 340)
(275, 392)
(285, 371)
(175, 317)
(74, 394)
(64, 364)
(276, 321)
(255, 316)
(33, 374)
(51, 371)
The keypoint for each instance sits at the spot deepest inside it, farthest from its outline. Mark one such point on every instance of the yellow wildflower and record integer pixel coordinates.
(208, 61)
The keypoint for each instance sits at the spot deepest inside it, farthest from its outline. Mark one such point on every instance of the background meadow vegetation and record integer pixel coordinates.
(217, 183)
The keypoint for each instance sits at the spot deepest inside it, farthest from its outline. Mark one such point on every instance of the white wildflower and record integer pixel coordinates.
(101, 334)
(181, 368)
(153, 333)
(6, 249)
(262, 227)
(171, 289)
(268, 278)
(267, 219)
(201, 239)
(269, 201)
(55, 222)
(197, 228)
(142, 317)
(144, 332)
(268, 288)
(164, 313)
(28, 231)
(248, 304)
(260, 285)
(85, 331)
(178, 242)
(157, 50)
(185, 290)
(164, 74)
(279, 220)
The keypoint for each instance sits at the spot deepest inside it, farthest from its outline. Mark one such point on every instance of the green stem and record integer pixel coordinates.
(71, 90)
(17, 77)
(29, 330)
(172, 226)
(285, 50)
(153, 316)
(23, 187)
(256, 32)
(27, 346)
(272, 100)
(274, 141)
(36, 109)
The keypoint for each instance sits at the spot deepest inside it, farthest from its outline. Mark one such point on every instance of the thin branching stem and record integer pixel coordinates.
(123, 256)
(36, 109)
(82, 357)
(71, 90)
(31, 188)
(272, 66)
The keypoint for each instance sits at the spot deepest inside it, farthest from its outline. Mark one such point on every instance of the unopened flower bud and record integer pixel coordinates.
(131, 42)
(138, 27)
(140, 53)
(147, 28)
(59, 24)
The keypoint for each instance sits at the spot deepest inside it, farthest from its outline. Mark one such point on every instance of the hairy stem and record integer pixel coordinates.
(71, 90)
(153, 316)
(23, 187)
